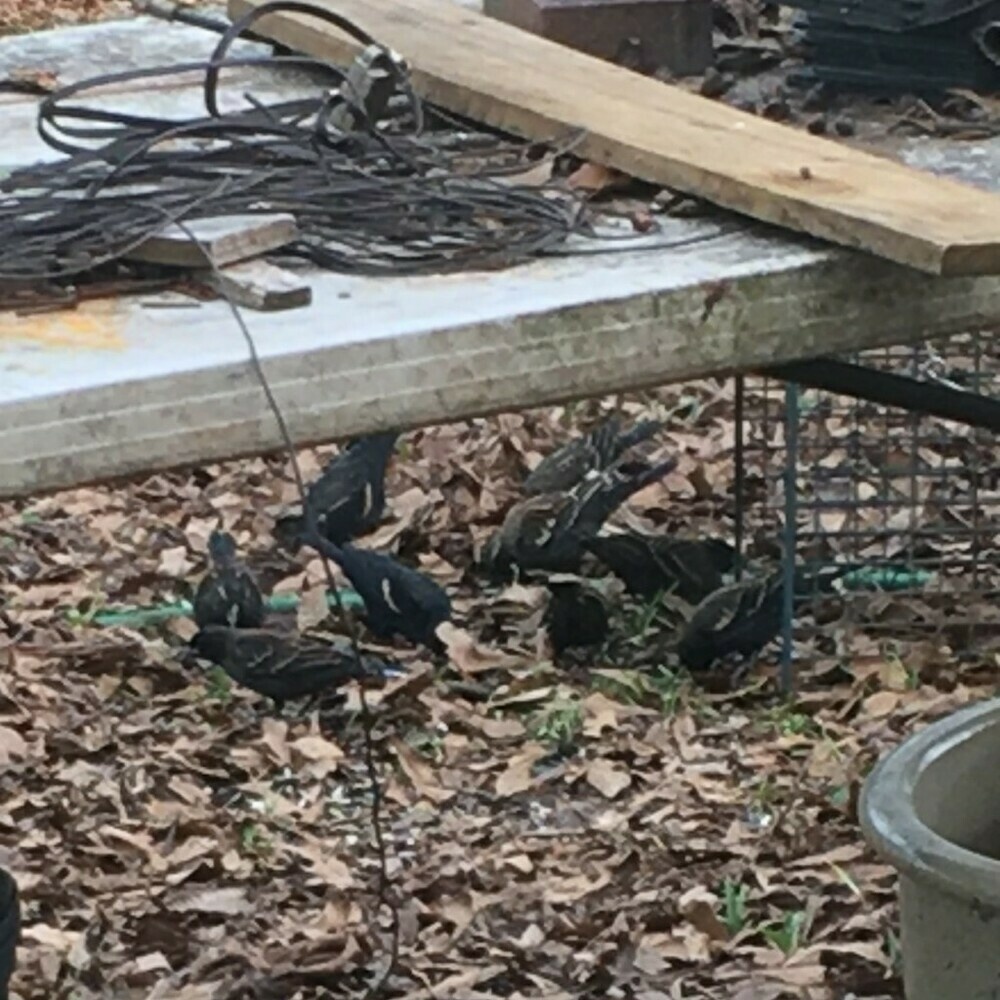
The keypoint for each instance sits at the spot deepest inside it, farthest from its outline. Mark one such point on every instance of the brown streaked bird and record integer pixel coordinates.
(742, 618)
(348, 499)
(691, 568)
(546, 532)
(285, 666)
(594, 452)
(228, 595)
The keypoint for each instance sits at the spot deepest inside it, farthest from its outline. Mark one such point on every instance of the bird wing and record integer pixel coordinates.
(344, 478)
(561, 470)
(531, 524)
(271, 655)
(570, 463)
(411, 591)
(690, 563)
(732, 606)
(634, 558)
(207, 593)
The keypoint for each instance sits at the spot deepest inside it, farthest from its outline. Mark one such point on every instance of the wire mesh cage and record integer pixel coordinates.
(906, 503)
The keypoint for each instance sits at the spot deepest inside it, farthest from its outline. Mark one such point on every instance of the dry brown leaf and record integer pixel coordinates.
(325, 865)
(575, 887)
(318, 748)
(600, 713)
(12, 745)
(38, 81)
(468, 656)
(537, 175)
(842, 855)
(523, 595)
(459, 983)
(609, 779)
(418, 678)
(154, 961)
(175, 562)
(595, 178)
(517, 776)
(420, 773)
(880, 704)
(700, 907)
(227, 902)
(497, 729)
(312, 610)
(798, 975)
(521, 862)
(893, 676)
(51, 937)
(529, 696)
(532, 937)
(274, 735)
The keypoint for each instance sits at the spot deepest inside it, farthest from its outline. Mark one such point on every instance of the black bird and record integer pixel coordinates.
(348, 499)
(10, 927)
(228, 595)
(576, 616)
(650, 564)
(744, 617)
(398, 600)
(283, 666)
(583, 456)
(547, 532)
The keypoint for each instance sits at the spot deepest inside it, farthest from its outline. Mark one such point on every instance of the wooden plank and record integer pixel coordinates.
(517, 81)
(259, 285)
(227, 238)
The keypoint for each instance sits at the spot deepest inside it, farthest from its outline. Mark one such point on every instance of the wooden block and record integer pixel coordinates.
(226, 238)
(259, 285)
(528, 85)
(650, 34)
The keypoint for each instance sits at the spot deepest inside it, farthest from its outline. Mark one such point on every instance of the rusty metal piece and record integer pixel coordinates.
(645, 35)
(367, 87)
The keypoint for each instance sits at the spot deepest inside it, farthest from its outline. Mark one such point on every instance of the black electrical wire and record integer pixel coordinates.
(386, 197)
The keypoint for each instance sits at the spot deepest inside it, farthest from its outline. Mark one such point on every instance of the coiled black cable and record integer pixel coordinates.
(385, 197)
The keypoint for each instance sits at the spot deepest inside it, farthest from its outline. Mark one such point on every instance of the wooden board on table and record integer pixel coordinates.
(257, 284)
(225, 238)
(508, 78)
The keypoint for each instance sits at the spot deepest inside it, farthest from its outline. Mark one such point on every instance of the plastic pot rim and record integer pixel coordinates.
(890, 823)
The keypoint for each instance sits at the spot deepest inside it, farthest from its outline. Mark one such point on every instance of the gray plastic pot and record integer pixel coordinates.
(932, 809)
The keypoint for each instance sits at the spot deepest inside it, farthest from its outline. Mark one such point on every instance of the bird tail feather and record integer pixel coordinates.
(642, 431)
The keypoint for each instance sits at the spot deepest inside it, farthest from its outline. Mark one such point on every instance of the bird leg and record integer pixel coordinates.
(311, 703)
(743, 670)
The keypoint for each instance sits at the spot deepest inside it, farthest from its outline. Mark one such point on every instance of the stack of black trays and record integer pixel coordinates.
(917, 46)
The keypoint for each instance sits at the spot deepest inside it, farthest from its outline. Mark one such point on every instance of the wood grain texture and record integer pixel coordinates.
(226, 238)
(259, 285)
(517, 81)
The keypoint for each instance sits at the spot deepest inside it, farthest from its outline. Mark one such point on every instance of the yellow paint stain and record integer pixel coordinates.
(92, 326)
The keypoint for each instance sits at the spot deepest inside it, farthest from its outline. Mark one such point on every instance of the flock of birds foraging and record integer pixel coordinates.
(553, 536)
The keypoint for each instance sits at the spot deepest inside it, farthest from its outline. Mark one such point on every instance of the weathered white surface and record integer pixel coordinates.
(121, 387)
(82, 53)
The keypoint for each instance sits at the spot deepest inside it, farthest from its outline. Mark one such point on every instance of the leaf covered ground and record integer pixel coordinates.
(20, 16)
(576, 831)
